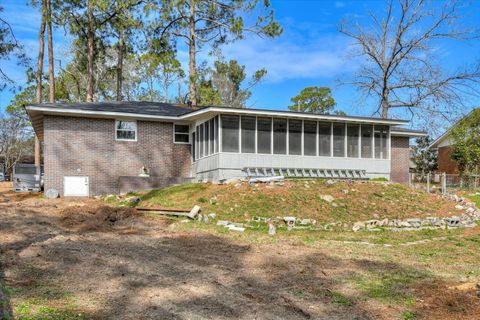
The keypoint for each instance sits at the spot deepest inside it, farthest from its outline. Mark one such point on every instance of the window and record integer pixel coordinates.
(212, 136)
(295, 137)
(310, 138)
(339, 140)
(181, 133)
(324, 138)
(126, 130)
(279, 136)
(230, 131)
(264, 135)
(381, 150)
(353, 136)
(248, 134)
(367, 140)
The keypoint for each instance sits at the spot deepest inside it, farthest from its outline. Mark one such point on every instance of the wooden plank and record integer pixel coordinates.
(163, 209)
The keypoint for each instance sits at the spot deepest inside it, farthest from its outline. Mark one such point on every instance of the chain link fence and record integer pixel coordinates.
(443, 183)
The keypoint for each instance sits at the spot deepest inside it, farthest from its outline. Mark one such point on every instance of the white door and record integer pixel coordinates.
(75, 186)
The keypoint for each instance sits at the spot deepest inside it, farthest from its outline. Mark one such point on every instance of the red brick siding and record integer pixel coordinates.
(87, 147)
(445, 162)
(400, 159)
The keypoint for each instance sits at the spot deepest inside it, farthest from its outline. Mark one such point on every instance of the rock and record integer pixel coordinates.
(51, 194)
(184, 221)
(383, 223)
(290, 221)
(194, 212)
(235, 228)
(222, 223)
(370, 224)
(404, 224)
(453, 222)
(330, 181)
(358, 226)
(271, 229)
(205, 219)
(459, 207)
(327, 198)
(345, 191)
(414, 222)
(212, 215)
(133, 200)
(470, 210)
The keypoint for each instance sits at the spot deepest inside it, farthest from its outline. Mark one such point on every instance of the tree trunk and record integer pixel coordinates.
(90, 50)
(192, 62)
(41, 48)
(165, 85)
(385, 105)
(121, 48)
(51, 67)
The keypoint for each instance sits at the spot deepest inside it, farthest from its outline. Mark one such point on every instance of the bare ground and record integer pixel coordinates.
(84, 260)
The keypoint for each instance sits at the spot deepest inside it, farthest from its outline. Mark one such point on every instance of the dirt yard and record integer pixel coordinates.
(80, 259)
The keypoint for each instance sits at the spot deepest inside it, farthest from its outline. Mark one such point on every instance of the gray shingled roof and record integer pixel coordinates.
(137, 107)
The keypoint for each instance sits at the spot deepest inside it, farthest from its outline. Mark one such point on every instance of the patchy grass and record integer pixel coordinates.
(303, 198)
(390, 287)
(475, 198)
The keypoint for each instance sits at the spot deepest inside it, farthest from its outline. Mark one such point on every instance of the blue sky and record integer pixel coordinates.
(311, 52)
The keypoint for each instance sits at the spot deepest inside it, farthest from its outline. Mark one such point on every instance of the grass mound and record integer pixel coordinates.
(315, 199)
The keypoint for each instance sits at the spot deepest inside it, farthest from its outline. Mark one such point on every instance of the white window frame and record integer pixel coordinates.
(187, 134)
(136, 130)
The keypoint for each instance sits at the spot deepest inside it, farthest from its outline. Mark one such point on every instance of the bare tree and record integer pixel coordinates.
(401, 70)
(15, 140)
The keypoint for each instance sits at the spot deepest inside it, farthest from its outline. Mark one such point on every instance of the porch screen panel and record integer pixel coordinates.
(295, 137)
(212, 136)
(381, 138)
(339, 140)
(202, 144)
(279, 136)
(230, 133)
(194, 142)
(207, 138)
(248, 134)
(324, 138)
(216, 134)
(367, 136)
(353, 141)
(264, 135)
(310, 138)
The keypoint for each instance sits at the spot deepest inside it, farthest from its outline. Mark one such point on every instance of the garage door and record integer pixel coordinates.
(75, 186)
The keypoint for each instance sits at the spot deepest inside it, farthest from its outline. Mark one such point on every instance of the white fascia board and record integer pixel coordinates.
(270, 113)
(408, 134)
(106, 114)
(214, 110)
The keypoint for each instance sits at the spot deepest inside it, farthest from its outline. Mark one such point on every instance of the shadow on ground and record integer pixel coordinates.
(146, 270)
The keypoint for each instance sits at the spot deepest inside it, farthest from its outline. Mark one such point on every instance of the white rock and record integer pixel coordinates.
(358, 226)
(327, 198)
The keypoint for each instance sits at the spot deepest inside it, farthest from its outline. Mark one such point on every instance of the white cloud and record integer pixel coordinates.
(293, 57)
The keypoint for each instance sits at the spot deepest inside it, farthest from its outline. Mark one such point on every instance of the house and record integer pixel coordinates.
(443, 144)
(106, 147)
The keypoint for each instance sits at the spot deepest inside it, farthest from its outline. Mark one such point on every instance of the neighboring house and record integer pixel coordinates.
(100, 148)
(443, 144)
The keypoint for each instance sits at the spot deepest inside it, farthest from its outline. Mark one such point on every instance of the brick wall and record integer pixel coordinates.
(400, 160)
(445, 162)
(87, 147)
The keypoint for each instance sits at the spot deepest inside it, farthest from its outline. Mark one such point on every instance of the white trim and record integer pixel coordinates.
(174, 132)
(407, 134)
(190, 115)
(128, 140)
